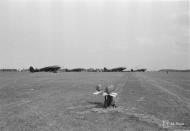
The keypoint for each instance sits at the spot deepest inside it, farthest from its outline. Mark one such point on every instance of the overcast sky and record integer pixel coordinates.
(95, 33)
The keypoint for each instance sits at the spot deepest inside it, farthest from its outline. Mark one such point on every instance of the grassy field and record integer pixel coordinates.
(151, 101)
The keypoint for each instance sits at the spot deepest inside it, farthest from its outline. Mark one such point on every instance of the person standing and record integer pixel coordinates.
(109, 96)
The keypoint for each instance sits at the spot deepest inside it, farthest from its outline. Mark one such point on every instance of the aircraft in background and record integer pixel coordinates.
(76, 70)
(53, 69)
(118, 69)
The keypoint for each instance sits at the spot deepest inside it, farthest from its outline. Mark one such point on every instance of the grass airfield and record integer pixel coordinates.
(150, 101)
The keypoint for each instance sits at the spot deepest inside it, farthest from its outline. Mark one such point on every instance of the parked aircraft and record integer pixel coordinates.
(118, 69)
(76, 70)
(140, 70)
(53, 69)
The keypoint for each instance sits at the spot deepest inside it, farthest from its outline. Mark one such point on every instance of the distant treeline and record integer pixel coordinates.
(8, 70)
(174, 70)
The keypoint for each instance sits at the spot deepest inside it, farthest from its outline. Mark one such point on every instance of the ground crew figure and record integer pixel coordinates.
(109, 95)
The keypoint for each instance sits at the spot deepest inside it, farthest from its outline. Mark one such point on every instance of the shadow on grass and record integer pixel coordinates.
(97, 104)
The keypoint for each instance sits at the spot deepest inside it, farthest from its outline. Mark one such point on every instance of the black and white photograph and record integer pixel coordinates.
(94, 65)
